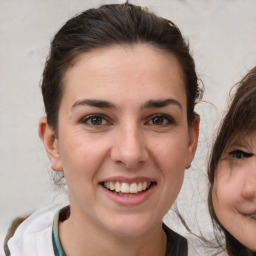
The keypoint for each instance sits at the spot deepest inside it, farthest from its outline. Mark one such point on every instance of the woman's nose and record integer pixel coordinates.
(129, 147)
(248, 191)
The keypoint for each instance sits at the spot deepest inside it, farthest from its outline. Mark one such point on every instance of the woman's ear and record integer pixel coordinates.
(50, 141)
(193, 139)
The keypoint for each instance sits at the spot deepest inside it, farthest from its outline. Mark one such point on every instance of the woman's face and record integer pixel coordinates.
(234, 190)
(123, 139)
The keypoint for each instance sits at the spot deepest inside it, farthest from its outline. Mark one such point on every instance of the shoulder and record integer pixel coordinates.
(15, 224)
(34, 235)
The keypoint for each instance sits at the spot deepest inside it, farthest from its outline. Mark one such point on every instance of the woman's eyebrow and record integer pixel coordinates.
(93, 103)
(107, 104)
(161, 103)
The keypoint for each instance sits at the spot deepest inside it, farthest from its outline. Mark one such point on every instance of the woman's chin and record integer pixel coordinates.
(130, 227)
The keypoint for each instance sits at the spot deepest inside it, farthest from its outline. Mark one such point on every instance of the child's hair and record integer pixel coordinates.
(240, 120)
(109, 25)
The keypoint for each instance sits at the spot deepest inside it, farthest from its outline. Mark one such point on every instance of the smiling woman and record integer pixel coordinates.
(232, 172)
(119, 90)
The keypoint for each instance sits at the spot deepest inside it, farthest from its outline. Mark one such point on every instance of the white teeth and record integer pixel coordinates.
(144, 185)
(139, 186)
(126, 188)
(117, 187)
(133, 188)
(112, 186)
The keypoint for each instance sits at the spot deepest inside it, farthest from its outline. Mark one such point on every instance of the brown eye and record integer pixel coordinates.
(95, 120)
(157, 120)
(160, 120)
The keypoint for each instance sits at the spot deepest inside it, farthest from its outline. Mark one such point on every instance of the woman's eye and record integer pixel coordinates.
(160, 119)
(239, 154)
(95, 120)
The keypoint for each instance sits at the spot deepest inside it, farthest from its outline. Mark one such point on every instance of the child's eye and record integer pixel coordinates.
(239, 154)
(95, 120)
(160, 119)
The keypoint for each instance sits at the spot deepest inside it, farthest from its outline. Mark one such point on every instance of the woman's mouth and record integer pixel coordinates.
(249, 214)
(127, 189)
(128, 192)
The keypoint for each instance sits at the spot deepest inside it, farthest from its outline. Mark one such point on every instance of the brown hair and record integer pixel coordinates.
(117, 24)
(238, 121)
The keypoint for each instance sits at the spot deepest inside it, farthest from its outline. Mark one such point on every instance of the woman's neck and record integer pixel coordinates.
(82, 237)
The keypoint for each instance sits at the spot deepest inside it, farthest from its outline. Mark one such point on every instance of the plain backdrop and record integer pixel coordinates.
(222, 37)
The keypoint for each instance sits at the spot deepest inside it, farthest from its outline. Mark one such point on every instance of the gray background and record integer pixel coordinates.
(222, 36)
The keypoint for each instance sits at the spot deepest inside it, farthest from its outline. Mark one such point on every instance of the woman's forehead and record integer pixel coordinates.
(106, 57)
(115, 70)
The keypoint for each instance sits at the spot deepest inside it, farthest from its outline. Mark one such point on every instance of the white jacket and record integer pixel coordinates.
(34, 236)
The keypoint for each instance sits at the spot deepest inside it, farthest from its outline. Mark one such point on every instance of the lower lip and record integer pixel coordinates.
(129, 200)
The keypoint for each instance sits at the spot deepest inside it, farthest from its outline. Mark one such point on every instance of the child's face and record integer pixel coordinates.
(123, 126)
(234, 191)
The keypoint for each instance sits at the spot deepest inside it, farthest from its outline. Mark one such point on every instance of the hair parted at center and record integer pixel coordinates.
(109, 25)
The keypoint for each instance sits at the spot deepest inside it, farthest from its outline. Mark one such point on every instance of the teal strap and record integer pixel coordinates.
(58, 250)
